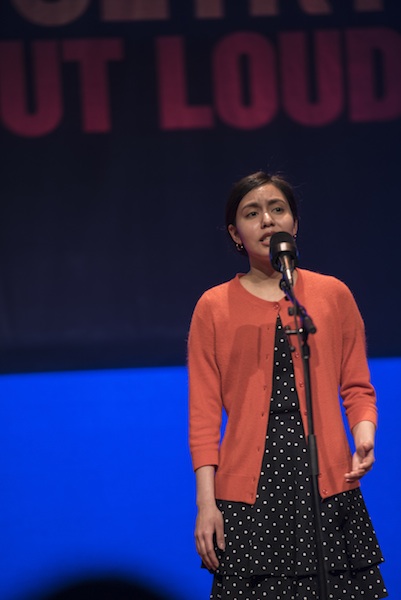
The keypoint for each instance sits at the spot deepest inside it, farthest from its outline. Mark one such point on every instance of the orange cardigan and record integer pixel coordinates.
(230, 363)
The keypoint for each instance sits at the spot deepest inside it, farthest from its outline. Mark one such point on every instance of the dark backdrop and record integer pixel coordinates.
(123, 127)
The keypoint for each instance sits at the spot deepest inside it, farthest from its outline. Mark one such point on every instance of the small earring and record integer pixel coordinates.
(295, 236)
(239, 247)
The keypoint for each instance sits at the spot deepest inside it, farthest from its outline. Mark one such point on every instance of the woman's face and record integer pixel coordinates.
(261, 213)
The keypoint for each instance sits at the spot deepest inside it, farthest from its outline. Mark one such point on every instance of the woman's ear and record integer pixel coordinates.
(233, 231)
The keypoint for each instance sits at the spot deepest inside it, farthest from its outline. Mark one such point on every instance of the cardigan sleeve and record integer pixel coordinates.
(205, 402)
(356, 390)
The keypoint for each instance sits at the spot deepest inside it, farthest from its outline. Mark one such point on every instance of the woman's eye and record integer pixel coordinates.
(253, 213)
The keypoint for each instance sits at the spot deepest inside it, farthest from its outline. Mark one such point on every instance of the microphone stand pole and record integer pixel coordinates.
(306, 328)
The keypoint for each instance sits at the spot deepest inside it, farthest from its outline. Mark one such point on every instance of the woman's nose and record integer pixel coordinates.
(266, 218)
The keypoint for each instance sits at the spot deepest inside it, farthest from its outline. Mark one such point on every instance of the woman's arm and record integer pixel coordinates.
(363, 458)
(209, 521)
(205, 414)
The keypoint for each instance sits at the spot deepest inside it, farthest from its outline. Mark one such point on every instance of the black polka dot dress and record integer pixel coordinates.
(270, 545)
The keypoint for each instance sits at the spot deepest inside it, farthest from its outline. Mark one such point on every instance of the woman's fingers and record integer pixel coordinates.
(209, 526)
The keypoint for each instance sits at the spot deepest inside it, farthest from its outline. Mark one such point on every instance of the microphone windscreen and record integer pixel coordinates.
(282, 243)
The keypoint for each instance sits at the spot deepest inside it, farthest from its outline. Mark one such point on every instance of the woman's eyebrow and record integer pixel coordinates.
(251, 204)
(255, 204)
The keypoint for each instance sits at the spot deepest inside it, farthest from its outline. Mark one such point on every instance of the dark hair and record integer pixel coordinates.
(251, 182)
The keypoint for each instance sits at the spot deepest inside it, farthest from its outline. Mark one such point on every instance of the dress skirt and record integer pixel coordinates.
(270, 545)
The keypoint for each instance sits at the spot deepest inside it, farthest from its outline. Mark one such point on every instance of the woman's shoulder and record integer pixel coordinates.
(327, 290)
(217, 298)
(218, 292)
(323, 281)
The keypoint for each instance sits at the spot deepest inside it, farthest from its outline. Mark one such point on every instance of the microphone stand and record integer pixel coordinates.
(307, 327)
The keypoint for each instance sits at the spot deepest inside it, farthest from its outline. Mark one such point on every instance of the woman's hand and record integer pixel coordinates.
(209, 523)
(363, 458)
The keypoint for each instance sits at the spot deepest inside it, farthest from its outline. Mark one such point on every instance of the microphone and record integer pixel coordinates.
(284, 255)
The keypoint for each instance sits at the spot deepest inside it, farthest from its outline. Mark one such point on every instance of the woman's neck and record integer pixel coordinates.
(264, 283)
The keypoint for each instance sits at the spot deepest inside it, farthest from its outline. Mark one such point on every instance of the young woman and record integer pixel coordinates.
(255, 524)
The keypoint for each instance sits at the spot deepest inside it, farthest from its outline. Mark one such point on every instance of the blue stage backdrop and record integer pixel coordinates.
(96, 482)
